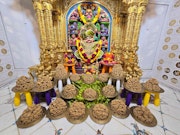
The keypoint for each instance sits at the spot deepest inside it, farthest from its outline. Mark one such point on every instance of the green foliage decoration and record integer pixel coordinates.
(97, 86)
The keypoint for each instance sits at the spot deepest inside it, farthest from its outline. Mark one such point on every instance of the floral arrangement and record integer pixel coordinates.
(97, 86)
(84, 56)
(83, 18)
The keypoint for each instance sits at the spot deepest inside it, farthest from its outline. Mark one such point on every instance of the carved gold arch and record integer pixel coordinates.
(109, 5)
(126, 15)
(69, 4)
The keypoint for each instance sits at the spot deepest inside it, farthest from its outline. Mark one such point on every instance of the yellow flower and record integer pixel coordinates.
(83, 18)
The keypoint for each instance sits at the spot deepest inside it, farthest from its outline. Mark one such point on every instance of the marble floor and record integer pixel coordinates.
(167, 114)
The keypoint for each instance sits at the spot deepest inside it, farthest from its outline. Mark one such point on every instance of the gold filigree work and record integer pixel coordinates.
(126, 21)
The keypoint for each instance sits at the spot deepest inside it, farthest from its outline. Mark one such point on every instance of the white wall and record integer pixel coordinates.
(158, 31)
(6, 62)
(167, 55)
(151, 29)
(20, 31)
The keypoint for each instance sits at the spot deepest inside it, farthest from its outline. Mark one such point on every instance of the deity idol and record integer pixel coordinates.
(89, 34)
(72, 40)
(89, 14)
(104, 42)
(103, 17)
(74, 16)
(89, 50)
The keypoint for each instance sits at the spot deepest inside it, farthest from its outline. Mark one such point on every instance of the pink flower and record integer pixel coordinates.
(69, 61)
(85, 55)
(93, 55)
(81, 49)
(88, 61)
(106, 61)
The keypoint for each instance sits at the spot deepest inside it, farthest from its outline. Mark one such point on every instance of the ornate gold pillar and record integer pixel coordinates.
(126, 56)
(118, 46)
(47, 45)
(38, 7)
(140, 12)
(63, 22)
(122, 26)
(135, 11)
(55, 32)
(59, 51)
(115, 23)
(40, 17)
(48, 23)
(137, 72)
(56, 21)
(130, 24)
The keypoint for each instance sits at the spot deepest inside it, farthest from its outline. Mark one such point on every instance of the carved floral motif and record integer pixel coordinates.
(125, 29)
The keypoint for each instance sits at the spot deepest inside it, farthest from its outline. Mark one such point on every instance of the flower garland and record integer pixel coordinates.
(69, 58)
(83, 17)
(84, 56)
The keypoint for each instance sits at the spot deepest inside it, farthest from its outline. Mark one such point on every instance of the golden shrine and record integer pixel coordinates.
(88, 64)
(89, 29)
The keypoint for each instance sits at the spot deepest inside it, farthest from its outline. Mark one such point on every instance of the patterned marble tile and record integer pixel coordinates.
(171, 124)
(127, 122)
(6, 108)
(171, 102)
(10, 130)
(168, 92)
(4, 91)
(22, 104)
(157, 130)
(12, 84)
(12, 94)
(94, 125)
(62, 124)
(47, 129)
(19, 110)
(177, 93)
(81, 129)
(170, 133)
(114, 127)
(7, 120)
(171, 111)
(153, 107)
(158, 115)
(5, 99)
(170, 96)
